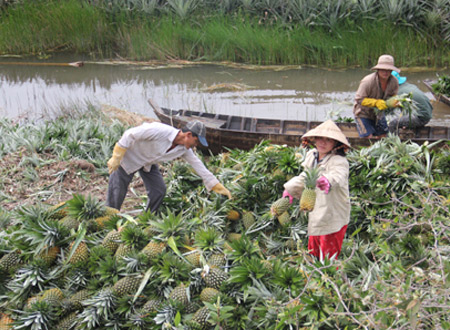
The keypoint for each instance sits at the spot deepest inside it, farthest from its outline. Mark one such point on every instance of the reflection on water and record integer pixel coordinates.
(302, 93)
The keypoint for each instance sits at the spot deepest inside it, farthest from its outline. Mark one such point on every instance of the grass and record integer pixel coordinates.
(335, 41)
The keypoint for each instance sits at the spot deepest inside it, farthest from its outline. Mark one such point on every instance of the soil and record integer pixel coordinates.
(34, 178)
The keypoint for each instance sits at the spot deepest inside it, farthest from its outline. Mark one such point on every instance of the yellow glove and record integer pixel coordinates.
(114, 162)
(220, 189)
(380, 104)
(393, 102)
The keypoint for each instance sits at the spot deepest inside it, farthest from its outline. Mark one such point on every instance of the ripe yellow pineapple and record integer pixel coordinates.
(308, 199)
(233, 215)
(6, 322)
(81, 253)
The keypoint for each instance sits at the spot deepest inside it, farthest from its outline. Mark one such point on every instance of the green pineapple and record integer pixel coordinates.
(109, 211)
(284, 218)
(154, 248)
(234, 237)
(180, 294)
(214, 276)
(49, 255)
(279, 206)
(217, 259)
(52, 296)
(122, 250)
(248, 219)
(126, 285)
(82, 208)
(200, 319)
(68, 322)
(70, 222)
(81, 253)
(10, 261)
(209, 295)
(74, 302)
(308, 199)
(151, 305)
(112, 241)
(57, 211)
(193, 257)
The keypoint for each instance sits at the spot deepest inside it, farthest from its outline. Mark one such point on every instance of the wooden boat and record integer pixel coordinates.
(439, 97)
(227, 131)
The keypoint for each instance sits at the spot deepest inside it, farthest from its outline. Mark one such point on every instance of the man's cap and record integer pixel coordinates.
(199, 129)
(400, 79)
(386, 62)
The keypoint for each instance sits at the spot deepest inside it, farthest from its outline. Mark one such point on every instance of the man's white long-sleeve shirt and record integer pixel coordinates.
(148, 143)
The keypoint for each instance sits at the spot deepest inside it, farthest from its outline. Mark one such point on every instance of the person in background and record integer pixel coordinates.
(373, 91)
(424, 107)
(141, 148)
(328, 221)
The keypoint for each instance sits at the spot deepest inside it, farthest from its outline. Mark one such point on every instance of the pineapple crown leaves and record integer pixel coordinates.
(288, 277)
(83, 208)
(171, 268)
(173, 225)
(248, 271)
(38, 232)
(134, 236)
(208, 239)
(244, 248)
(40, 315)
(98, 308)
(311, 176)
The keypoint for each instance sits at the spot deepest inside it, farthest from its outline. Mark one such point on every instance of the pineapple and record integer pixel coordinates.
(308, 199)
(57, 211)
(151, 305)
(248, 219)
(209, 295)
(234, 237)
(52, 296)
(208, 240)
(214, 277)
(200, 319)
(70, 222)
(10, 261)
(81, 253)
(6, 322)
(233, 215)
(74, 302)
(194, 257)
(217, 259)
(284, 218)
(180, 294)
(68, 322)
(109, 211)
(122, 250)
(279, 206)
(154, 248)
(126, 285)
(49, 255)
(112, 241)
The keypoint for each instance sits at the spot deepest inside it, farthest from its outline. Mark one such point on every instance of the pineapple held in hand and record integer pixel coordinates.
(308, 199)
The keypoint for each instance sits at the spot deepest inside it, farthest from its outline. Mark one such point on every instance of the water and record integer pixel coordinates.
(37, 91)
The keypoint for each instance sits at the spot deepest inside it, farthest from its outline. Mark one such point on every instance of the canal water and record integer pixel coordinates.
(36, 91)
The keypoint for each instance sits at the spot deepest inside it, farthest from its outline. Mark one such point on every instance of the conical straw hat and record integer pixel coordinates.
(330, 130)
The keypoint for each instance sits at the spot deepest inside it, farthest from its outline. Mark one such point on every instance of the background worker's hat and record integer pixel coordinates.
(328, 129)
(386, 62)
(199, 129)
(400, 79)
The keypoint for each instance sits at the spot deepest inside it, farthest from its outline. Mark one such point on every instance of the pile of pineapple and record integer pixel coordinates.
(202, 262)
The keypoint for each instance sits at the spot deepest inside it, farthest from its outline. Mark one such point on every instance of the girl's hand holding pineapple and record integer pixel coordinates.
(323, 184)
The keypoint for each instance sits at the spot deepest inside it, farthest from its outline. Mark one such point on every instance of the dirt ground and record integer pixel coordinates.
(30, 179)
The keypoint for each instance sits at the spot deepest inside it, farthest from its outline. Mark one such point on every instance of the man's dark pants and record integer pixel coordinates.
(119, 181)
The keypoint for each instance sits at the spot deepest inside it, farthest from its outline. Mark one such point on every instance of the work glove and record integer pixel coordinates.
(380, 104)
(393, 102)
(323, 184)
(287, 194)
(220, 189)
(114, 162)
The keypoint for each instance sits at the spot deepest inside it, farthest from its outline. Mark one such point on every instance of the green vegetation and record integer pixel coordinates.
(442, 85)
(301, 32)
(148, 271)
